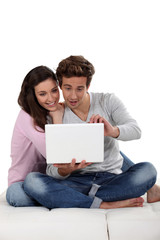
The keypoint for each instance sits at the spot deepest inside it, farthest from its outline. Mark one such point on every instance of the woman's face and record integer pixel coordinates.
(47, 94)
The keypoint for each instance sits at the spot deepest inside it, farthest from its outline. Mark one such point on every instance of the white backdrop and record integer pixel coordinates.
(120, 37)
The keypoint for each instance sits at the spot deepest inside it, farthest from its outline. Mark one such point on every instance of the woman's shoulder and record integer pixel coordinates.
(24, 118)
(26, 122)
(23, 114)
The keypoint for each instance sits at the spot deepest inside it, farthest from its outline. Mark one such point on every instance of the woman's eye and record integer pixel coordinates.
(54, 90)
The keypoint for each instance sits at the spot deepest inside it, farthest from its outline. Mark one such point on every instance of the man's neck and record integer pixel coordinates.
(83, 109)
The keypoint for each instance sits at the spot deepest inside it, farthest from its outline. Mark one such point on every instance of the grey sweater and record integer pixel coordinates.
(113, 110)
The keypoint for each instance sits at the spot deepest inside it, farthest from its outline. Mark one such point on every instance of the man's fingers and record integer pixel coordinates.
(82, 164)
(72, 164)
(95, 118)
(92, 118)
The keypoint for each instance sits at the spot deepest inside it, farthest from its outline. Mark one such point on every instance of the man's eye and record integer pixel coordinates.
(42, 94)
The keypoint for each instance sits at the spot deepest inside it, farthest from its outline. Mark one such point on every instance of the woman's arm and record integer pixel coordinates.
(35, 135)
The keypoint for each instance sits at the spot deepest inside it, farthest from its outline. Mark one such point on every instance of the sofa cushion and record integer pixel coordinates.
(141, 223)
(135, 223)
(38, 223)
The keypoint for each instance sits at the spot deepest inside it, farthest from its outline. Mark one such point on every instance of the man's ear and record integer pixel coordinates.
(88, 86)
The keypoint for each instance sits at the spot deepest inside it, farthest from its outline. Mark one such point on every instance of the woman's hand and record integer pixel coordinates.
(57, 115)
(109, 130)
(65, 169)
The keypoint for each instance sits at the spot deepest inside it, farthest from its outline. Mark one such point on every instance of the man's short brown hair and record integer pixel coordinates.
(75, 66)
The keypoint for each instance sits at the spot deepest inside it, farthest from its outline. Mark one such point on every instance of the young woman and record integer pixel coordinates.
(38, 99)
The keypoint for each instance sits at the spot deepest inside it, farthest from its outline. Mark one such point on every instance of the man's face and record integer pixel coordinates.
(74, 91)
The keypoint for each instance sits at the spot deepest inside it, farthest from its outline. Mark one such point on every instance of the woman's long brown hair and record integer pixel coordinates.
(27, 99)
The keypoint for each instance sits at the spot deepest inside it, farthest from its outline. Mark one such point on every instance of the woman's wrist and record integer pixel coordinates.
(57, 120)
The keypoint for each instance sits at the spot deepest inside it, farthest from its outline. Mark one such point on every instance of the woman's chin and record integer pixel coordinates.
(52, 109)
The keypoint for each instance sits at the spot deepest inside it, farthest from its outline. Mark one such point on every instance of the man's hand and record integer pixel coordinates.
(65, 169)
(109, 130)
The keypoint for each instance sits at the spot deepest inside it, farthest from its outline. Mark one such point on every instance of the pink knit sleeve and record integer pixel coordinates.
(26, 126)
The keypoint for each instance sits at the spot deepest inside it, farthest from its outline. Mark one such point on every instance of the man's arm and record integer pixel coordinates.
(61, 171)
(120, 118)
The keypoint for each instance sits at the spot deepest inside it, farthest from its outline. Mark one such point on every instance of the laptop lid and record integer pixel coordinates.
(80, 141)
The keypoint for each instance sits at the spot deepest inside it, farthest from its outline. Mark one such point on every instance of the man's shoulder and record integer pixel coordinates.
(101, 97)
(100, 94)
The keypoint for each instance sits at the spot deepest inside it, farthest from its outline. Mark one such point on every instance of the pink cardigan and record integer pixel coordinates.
(28, 150)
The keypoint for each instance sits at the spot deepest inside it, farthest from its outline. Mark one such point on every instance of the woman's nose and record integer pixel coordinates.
(50, 97)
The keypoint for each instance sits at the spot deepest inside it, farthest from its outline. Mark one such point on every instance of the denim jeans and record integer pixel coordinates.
(127, 163)
(16, 196)
(89, 190)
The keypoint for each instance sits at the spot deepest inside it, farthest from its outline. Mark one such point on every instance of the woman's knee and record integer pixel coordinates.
(13, 193)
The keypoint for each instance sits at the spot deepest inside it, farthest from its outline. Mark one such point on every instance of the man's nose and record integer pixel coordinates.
(73, 95)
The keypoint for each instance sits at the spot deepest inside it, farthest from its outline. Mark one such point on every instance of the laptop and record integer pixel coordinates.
(82, 141)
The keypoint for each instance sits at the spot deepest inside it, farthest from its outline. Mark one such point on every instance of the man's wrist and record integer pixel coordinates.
(116, 132)
(63, 172)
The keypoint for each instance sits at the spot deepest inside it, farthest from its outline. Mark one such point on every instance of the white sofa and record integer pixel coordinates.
(38, 223)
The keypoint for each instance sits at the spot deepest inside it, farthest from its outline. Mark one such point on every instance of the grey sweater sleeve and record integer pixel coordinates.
(53, 172)
(129, 129)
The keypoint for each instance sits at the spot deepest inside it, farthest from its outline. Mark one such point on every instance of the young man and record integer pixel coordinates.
(100, 185)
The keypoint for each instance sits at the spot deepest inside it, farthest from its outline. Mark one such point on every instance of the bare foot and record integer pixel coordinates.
(153, 194)
(133, 202)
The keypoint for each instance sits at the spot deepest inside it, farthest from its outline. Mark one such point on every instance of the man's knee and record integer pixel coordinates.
(34, 183)
(148, 171)
(151, 170)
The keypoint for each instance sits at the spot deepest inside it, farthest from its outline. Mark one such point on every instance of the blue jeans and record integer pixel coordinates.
(89, 190)
(127, 163)
(16, 196)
